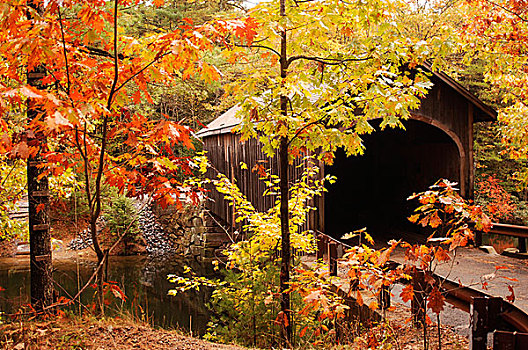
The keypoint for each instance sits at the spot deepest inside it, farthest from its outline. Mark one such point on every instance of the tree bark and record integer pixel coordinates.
(284, 277)
(38, 197)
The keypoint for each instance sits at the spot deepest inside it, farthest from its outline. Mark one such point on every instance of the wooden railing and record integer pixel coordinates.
(518, 231)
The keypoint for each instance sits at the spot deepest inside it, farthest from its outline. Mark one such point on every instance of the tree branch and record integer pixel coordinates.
(139, 72)
(260, 47)
(327, 61)
(508, 10)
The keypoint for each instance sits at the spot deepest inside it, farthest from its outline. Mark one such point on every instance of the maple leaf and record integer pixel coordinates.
(40, 207)
(21, 150)
(373, 305)
(436, 301)
(442, 255)
(434, 220)
(407, 293)
(359, 298)
(413, 218)
(57, 121)
(29, 92)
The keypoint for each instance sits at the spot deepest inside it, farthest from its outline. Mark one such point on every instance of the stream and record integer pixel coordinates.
(142, 278)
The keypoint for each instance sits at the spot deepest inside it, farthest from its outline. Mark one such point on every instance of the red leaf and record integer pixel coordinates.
(303, 331)
(136, 97)
(436, 301)
(40, 207)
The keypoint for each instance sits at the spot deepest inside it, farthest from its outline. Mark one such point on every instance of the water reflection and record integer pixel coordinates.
(143, 279)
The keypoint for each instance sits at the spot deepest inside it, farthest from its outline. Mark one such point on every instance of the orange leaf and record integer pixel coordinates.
(359, 298)
(303, 331)
(407, 293)
(413, 218)
(435, 220)
(442, 255)
(436, 301)
(21, 150)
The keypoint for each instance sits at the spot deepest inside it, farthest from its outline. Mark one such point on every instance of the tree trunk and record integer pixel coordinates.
(39, 233)
(284, 210)
(285, 242)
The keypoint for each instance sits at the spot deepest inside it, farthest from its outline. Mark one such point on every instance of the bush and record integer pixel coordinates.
(121, 215)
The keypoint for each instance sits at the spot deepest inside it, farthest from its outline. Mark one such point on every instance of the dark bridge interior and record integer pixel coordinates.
(371, 190)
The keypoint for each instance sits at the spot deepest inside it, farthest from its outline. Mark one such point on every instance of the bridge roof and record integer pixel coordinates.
(228, 120)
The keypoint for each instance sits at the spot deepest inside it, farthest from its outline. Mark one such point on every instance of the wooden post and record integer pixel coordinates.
(478, 316)
(320, 247)
(384, 298)
(332, 258)
(484, 313)
(477, 238)
(522, 245)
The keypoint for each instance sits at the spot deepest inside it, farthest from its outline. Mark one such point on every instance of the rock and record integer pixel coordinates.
(511, 250)
(488, 249)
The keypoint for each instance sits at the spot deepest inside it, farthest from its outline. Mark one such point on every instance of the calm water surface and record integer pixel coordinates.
(143, 279)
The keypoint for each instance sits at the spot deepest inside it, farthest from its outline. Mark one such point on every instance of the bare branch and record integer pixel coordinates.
(260, 47)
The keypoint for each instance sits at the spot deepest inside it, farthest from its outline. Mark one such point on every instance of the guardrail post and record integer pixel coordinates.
(332, 258)
(477, 238)
(320, 247)
(522, 245)
(484, 314)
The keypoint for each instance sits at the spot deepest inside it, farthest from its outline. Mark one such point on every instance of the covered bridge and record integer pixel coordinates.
(371, 189)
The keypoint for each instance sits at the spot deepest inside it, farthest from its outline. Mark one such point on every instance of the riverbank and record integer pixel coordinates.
(90, 333)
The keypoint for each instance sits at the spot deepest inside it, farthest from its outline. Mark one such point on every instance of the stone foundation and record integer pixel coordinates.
(193, 232)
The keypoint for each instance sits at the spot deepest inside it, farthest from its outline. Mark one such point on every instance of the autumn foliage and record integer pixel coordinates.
(93, 77)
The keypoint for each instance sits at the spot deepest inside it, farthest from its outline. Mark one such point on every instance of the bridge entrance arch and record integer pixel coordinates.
(372, 189)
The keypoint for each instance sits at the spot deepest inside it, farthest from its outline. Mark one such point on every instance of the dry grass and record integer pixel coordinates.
(90, 333)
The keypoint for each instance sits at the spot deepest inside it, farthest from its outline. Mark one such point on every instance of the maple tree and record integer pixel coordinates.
(81, 102)
(497, 32)
(325, 69)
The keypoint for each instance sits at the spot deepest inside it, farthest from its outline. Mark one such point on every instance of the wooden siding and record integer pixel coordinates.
(226, 153)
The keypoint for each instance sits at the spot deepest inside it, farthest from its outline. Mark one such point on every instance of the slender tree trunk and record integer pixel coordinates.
(39, 232)
(284, 210)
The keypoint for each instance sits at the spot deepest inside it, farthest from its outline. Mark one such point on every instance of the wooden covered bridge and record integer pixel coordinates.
(371, 189)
